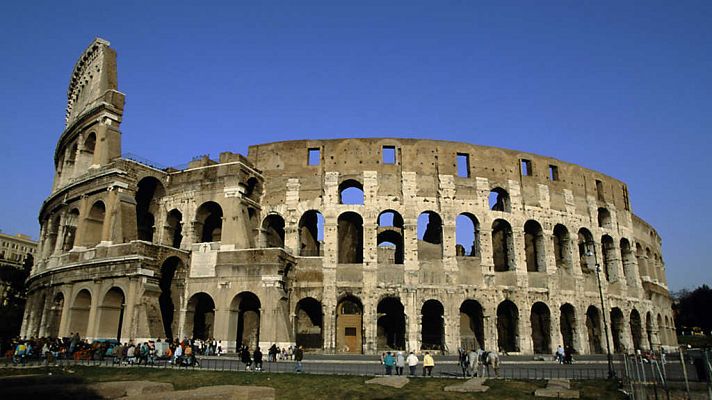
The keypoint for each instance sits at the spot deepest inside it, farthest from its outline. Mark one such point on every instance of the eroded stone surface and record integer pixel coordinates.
(391, 381)
(473, 385)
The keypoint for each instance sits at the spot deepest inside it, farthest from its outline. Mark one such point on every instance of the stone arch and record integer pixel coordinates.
(502, 246)
(52, 232)
(562, 247)
(245, 316)
(55, 315)
(208, 222)
(642, 263)
(593, 326)
(472, 331)
(171, 268)
(617, 330)
(649, 328)
(174, 228)
(389, 238)
(585, 239)
(662, 338)
(508, 326)
(628, 260)
(636, 329)
(604, 217)
(568, 326)
(390, 326)
(349, 325)
(540, 319)
(534, 247)
(467, 235)
(432, 317)
(71, 220)
(273, 231)
(351, 192)
(430, 236)
(499, 200)
(609, 255)
(111, 314)
(350, 233)
(309, 323)
(201, 314)
(150, 191)
(79, 312)
(311, 233)
(94, 224)
(253, 189)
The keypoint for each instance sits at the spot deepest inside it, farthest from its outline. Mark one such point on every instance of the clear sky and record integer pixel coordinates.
(622, 87)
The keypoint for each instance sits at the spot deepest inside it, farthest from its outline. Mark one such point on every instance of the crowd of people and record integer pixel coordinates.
(399, 360)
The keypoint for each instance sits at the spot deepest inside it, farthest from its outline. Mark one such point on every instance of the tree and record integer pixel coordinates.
(13, 304)
(692, 309)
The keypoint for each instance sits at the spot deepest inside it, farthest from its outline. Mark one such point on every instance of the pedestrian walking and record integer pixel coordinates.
(298, 357)
(428, 364)
(257, 356)
(400, 363)
(389, 362)
(412, 361)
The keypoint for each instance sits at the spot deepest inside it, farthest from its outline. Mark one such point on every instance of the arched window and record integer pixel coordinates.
(174, 228)
(585, 242)
(208, 222)
(430, 236)
(540, 320)
(593, 326)
(311, 233)
(499, 200)
(642, 262)
(508, 326)
(350, 232)
(562, 246)
(534, 247)
(609, 255)
(467, 232)
(169, 298)
(88, 151)
(604, 218)
(351, 192)
(308, 323)
(390, 238)
(94, 224)
(273, 231)
(502, 246)
(149, 192)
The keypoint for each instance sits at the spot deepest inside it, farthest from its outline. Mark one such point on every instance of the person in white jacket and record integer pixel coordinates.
(412, 361)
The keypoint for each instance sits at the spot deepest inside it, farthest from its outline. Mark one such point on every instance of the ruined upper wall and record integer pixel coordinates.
(431, 158)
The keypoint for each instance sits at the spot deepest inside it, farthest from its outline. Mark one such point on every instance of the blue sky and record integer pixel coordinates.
(622, 87)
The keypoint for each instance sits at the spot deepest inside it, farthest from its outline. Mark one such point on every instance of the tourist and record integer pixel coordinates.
(245, 358)
(560, 354)
(412, 361)
(389, 362)
(177, 354)
(298, 357)
(257, 356)
(400, 363)
(428, 364)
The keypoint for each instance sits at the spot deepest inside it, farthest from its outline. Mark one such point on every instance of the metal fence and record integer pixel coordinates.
(655, 377)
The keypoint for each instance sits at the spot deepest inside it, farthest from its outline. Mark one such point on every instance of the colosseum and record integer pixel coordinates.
(344, 245)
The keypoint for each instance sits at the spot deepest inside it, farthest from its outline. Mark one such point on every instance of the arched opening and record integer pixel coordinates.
(661, 330)
(467, 235)
(351, 192)
(94, 224)
(201, 312)
(52, 229)
(609, 255)
(617, 329)
(349, 325)
(604, 218)
(308, 324)
(350, 232)
(169, 296)
(649, 329)
(273, 231)
(391, 324)
(246, 307)
(432, 325)
(390, 238)
(499, 200)
(88, 150)
(585, 238)
(55, 315)
(430, 236)
(642, 262)
(79, 313)
(628, 260)
(111, 314)
(311, 233)
(636, 329)
(540, 319)
(472, 330)
(208, 221)
(507, 327)
(71, 220)
(502, 246)
(562, 247)
(534, 247)
(174, 228)
(593, 326)
(253, 189)
(567, 322)
(150, 190)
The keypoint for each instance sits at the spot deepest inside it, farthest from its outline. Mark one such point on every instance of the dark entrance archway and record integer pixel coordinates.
(617, 326)
(540, 319)
(636, 329)
(432, 325)
(201, 311)
(246, 307)
(508, 326)
(308, 323)
(391, 324)
(567, 321)
(593, 326)
(472, 332)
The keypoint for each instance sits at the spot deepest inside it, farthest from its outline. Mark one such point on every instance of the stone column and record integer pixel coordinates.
(93, 323)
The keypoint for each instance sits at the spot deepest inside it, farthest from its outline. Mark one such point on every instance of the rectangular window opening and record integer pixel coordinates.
(314, 157)
(553, 173)
(350, 331)
(599, 190)
(463, 165)
(526, 167)
(389, 154)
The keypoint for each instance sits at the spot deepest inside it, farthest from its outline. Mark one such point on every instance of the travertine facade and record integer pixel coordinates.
(342, 245)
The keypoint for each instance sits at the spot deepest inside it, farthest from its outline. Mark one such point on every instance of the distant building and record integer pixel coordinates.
(16, 257)
(15, 249)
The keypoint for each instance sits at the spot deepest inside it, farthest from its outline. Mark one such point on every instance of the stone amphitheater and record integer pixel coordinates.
(345, 245)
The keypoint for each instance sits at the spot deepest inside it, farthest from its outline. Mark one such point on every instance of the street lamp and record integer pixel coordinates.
(591, 251)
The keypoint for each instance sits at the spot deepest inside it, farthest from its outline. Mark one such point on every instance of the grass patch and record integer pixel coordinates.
(314, 387)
